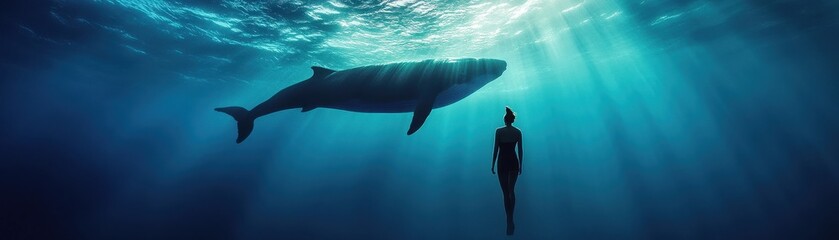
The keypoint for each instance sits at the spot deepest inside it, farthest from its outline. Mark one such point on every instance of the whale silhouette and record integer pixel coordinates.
(414, 87)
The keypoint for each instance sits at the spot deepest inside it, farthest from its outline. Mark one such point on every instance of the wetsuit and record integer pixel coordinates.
(507, 159)
(507, 139)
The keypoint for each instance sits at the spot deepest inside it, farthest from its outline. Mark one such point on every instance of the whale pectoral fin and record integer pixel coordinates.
(307, 108)
(421, 113)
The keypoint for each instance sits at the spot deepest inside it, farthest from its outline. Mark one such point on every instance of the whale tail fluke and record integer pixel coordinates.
(244, 120)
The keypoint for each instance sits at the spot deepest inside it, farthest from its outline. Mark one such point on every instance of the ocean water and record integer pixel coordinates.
(642, 119)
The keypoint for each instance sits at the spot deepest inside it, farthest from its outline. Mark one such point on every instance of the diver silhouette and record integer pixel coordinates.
(509, 165)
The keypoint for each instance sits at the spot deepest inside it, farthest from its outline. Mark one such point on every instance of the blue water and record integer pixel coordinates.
(642, 119)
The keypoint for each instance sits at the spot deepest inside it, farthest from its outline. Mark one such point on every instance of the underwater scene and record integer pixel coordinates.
(407, 119)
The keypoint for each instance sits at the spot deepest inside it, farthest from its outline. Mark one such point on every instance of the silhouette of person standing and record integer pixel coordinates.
(509, 165)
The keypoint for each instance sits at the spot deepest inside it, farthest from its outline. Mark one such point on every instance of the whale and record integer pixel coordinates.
(402, 87)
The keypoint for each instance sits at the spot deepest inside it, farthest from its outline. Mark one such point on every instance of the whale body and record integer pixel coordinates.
(416, 87)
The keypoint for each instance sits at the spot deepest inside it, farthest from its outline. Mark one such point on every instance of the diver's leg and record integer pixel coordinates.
(509, 200)
(502, 180)
(511, 185)
(505, 189)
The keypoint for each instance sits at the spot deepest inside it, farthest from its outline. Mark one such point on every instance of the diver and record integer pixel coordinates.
(509, 165)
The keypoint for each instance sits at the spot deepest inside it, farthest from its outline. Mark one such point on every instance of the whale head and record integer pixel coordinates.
(465, 76)
(493, 66)
(476, 71)
(484, 70)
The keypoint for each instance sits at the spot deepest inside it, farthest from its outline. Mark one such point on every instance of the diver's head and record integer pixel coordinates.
(509, 117)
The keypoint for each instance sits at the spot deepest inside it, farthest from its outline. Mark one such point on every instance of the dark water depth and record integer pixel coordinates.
(642, 119)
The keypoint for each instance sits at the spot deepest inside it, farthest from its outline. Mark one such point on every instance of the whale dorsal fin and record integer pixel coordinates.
(321, 72)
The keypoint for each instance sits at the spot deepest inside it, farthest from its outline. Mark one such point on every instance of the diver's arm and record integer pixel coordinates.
(495, 152)
(521, 154)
